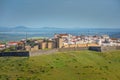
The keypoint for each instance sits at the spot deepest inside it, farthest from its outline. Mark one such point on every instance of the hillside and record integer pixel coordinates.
(73, 65)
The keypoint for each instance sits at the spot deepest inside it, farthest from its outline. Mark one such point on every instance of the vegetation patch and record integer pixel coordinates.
(72, 65)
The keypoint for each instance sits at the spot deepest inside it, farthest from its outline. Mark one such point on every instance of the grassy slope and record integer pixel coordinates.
(76, 65)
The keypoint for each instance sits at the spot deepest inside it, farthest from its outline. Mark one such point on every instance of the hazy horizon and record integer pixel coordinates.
(60, 13)
(50, 27)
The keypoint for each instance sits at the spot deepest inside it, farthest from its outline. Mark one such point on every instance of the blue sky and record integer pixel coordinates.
(60, 13)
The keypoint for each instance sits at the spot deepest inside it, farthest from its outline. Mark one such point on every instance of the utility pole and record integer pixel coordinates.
(26, 38)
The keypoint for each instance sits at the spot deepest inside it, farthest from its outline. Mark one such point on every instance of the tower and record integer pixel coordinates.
(59, 42)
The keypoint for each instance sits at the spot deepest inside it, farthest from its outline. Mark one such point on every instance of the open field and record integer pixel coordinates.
(72, 65)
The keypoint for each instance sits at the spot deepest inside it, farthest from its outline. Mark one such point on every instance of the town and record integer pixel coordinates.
(59, 41)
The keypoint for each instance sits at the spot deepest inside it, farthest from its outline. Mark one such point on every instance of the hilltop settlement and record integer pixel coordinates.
(59, 41)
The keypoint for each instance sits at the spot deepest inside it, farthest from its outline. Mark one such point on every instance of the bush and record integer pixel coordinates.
(4, 77)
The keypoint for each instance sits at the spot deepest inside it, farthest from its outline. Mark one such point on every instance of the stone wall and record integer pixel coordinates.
(50, 45)
(108, 48)
(27, 48)
(39, 52)
(118, 47)
(79, 45)
(35, 48)
(94, 48)
(104, 48)
(72, 49)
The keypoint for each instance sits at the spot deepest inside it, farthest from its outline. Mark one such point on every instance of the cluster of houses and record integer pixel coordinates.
(83, 41)
(62, 41)
(19, 45)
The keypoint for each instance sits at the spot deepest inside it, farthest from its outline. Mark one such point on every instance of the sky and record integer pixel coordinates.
(60, 13)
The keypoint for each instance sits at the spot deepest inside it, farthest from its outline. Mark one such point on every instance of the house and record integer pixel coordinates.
(105, 36)
(114, 40)
(61, 35)
(12, 43)
(2, 46)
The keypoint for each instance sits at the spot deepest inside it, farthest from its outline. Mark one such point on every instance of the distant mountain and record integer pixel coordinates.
(13, 29)
(20, 27)
(51, 28)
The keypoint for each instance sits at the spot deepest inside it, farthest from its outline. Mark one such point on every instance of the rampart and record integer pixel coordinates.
(72, 49)
(39, 52)
(104, 48)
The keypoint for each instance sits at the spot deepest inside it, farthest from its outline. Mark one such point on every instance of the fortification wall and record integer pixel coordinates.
(72, 49)
(104, 48)
(39, 52)
(108, 48)
(35, 48)
(118, 47)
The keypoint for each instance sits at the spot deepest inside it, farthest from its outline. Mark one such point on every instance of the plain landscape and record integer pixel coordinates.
(19, 32)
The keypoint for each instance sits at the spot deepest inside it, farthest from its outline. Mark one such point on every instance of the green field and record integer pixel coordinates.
(73, 65)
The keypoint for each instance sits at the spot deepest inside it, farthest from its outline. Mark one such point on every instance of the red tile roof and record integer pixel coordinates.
(63, 34)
